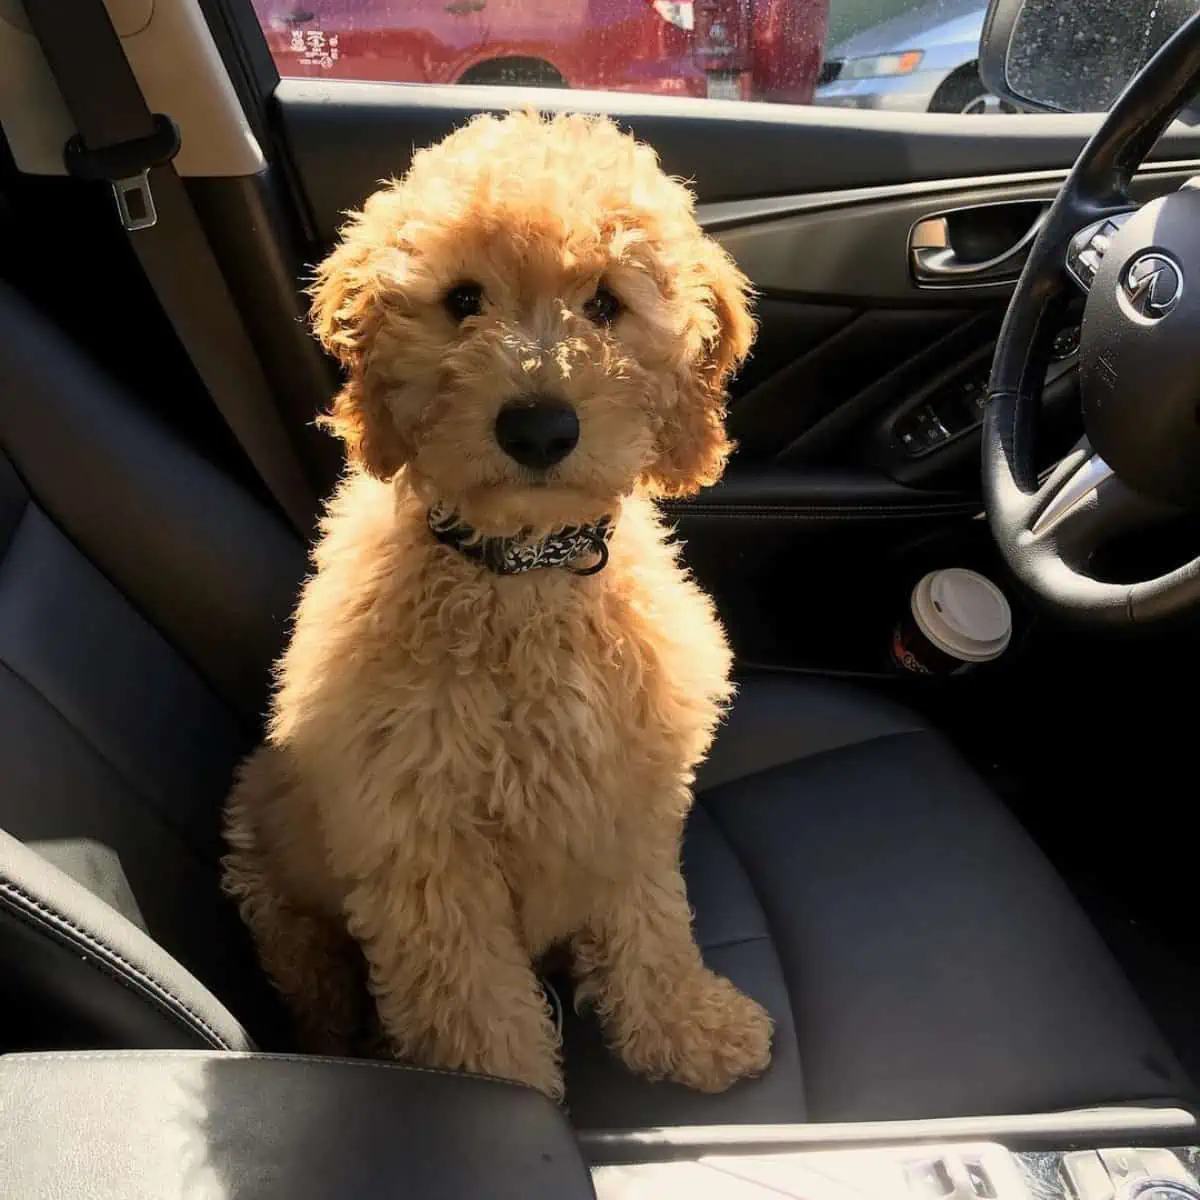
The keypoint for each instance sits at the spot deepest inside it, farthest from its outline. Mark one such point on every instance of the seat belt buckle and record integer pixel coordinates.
(135, 201)
(126, 167)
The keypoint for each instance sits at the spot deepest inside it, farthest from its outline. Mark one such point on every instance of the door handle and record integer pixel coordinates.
(976, 246)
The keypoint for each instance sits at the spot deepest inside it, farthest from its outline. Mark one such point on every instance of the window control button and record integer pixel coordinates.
(929, 427)
(1087, 1176)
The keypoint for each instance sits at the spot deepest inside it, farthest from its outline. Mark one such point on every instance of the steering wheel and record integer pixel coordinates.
(1139, 366)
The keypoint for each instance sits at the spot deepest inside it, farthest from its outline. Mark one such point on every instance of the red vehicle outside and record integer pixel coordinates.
(725, 49)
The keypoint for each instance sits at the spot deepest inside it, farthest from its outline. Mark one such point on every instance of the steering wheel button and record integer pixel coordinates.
(1089, 260)
(1066, 343)
(1100, 244)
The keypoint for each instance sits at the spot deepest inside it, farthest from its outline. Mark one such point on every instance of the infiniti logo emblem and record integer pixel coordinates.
(1153, 284)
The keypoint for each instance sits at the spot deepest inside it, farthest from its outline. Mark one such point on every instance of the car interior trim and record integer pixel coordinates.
(1138, 1123)
(96, 937)
(175, 59)
(725, 214)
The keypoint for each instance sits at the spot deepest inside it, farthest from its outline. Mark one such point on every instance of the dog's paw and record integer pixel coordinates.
(707, 1035)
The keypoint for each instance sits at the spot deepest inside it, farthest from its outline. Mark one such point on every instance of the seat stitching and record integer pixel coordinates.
(146, 802)
(26, 504)
(729, 943)
(808, 758)
(304, 1060)
(42, 915)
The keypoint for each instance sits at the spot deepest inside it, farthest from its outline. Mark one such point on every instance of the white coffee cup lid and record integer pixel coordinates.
(963, 614)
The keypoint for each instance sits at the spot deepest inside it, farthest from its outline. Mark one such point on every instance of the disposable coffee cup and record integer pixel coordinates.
(956, 619)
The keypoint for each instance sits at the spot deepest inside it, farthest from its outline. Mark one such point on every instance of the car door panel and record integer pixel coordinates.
(818, 209)
(345, 136)
(844, 246)
(769, 419)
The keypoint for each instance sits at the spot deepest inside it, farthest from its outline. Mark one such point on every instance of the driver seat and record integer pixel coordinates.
(919, 955)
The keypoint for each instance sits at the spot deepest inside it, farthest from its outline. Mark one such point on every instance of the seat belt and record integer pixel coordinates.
(121, 142)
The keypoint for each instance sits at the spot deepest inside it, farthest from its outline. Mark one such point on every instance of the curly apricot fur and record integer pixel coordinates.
(461, 769)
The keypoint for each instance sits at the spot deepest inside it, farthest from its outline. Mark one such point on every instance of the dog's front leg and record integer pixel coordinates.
(664, 1012)
(451, 980)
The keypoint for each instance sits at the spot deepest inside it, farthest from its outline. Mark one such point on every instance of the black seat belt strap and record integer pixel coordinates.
(122, 142)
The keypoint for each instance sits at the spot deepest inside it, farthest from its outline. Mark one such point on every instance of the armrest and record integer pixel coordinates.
(152, 1126)
(815, 493)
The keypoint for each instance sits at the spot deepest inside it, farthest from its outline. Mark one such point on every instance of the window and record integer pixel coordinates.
(898, 55)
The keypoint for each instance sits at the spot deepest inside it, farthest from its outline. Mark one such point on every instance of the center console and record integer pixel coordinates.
(1139, 1154)
(971, 1171)
(197, 1125)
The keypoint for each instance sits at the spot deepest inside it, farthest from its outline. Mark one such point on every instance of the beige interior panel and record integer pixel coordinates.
(180, 71)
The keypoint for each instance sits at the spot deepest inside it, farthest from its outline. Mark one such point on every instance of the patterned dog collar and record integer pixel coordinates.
(516, 555)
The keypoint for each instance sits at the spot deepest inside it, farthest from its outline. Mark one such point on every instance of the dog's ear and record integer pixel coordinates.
(348, 305)
(693, 444)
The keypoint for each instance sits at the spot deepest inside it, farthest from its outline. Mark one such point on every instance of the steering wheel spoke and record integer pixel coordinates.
(1082, 504)
(1086, 250)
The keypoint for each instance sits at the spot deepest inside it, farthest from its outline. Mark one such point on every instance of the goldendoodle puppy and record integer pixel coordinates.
(500, 680)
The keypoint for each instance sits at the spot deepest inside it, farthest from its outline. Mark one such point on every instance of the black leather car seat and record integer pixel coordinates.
(920, 956)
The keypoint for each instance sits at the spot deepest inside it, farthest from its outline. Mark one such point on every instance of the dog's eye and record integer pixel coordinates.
(603, 308)
(465, 300)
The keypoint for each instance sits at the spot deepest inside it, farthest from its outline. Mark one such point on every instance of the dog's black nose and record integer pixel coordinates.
(537, 432)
